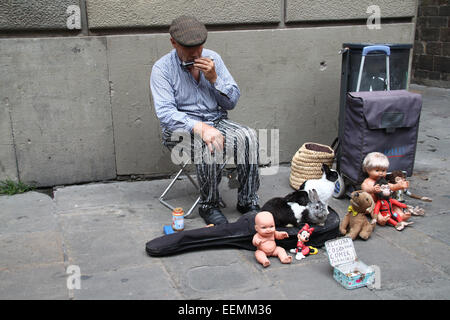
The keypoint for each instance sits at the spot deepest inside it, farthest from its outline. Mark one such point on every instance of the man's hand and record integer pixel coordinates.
(212, 137)
(206, 65)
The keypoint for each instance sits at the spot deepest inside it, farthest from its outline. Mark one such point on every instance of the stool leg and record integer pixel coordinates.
(187, 214)
(161, 198)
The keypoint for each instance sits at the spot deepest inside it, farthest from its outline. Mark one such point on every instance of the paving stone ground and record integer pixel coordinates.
(102, 228)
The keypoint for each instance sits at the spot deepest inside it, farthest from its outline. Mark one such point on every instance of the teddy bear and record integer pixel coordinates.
(361, 203)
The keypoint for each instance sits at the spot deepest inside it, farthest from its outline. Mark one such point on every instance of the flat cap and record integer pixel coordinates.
(188, 31)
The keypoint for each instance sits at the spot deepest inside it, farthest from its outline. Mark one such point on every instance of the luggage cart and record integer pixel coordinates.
(383, 121)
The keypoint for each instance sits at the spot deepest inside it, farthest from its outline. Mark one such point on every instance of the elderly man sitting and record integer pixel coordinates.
(192, 92)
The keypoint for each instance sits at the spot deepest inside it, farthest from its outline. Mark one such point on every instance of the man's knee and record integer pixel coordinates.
(246, 137)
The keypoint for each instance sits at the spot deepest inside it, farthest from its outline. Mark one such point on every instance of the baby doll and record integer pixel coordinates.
(396, 176)
(264, 240)
(383, 210)
(376, 164)
(302, 249)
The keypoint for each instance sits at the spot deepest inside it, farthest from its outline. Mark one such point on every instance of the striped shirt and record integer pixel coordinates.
(180, 101)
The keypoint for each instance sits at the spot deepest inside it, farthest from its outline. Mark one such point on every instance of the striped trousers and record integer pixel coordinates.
(240, 148)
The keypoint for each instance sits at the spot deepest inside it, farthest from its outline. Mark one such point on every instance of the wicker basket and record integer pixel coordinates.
(307, 163)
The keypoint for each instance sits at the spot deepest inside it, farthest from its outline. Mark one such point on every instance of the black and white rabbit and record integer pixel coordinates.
(324, 186)
(296, 208)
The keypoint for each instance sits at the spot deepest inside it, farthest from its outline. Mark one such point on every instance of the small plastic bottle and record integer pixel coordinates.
(178, 219)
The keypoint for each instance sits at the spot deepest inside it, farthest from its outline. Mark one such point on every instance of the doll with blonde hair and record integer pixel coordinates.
(376, 164)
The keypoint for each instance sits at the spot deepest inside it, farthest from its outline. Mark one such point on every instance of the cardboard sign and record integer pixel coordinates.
(340, 251)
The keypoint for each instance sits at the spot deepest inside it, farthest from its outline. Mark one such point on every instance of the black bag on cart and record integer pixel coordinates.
(382, 121)
(238, 234)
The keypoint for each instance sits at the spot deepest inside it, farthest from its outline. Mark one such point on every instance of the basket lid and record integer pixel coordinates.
(340, 251)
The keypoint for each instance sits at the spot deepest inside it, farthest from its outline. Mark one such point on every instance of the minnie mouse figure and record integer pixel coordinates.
(302, 249)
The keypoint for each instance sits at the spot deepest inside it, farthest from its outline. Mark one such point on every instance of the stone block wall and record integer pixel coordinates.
(431, 64)
(75, 104)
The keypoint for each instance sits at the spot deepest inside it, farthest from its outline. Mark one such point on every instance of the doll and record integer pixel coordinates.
(264, 240)
(397, 176)
(383, 210)
(302, 249)
(376, 164)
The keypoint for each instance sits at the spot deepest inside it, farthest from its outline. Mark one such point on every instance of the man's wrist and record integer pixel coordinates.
(213, 80)
(198, 128)
(220, 87)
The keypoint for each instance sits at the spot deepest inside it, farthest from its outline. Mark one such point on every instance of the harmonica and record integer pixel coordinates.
(186, 64)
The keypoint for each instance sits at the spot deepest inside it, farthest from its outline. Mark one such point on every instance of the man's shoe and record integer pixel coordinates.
(248, 208)
(212, 216)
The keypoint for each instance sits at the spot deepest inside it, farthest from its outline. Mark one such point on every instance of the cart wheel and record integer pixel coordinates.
(339, 188)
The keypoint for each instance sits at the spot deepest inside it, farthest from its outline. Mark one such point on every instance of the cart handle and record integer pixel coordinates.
(369, 49)
(365, 51)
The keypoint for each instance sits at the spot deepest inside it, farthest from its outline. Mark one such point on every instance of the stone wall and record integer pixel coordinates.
(431, 62)
(75, 104)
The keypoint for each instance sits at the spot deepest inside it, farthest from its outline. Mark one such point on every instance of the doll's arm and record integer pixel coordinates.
(398, 203)
(369, 187)
(370, 211)
(399, 185)
(415, 196)
(279, 235)
(376, 210)
(256, 240)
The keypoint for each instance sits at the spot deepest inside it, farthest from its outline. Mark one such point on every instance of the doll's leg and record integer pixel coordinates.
(392, 222)
(413, 211)
(262, 258)
(399, 223)
(403, 215)
(397, 217)
(402, 224)
(299, 256)
(282, 255)
(381, 220)
(305, 251)
(298, 253)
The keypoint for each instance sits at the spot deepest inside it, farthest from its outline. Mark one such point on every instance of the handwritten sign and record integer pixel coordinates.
(340, 251)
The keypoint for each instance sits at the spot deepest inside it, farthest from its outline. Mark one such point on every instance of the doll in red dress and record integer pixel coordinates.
(384, 207)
